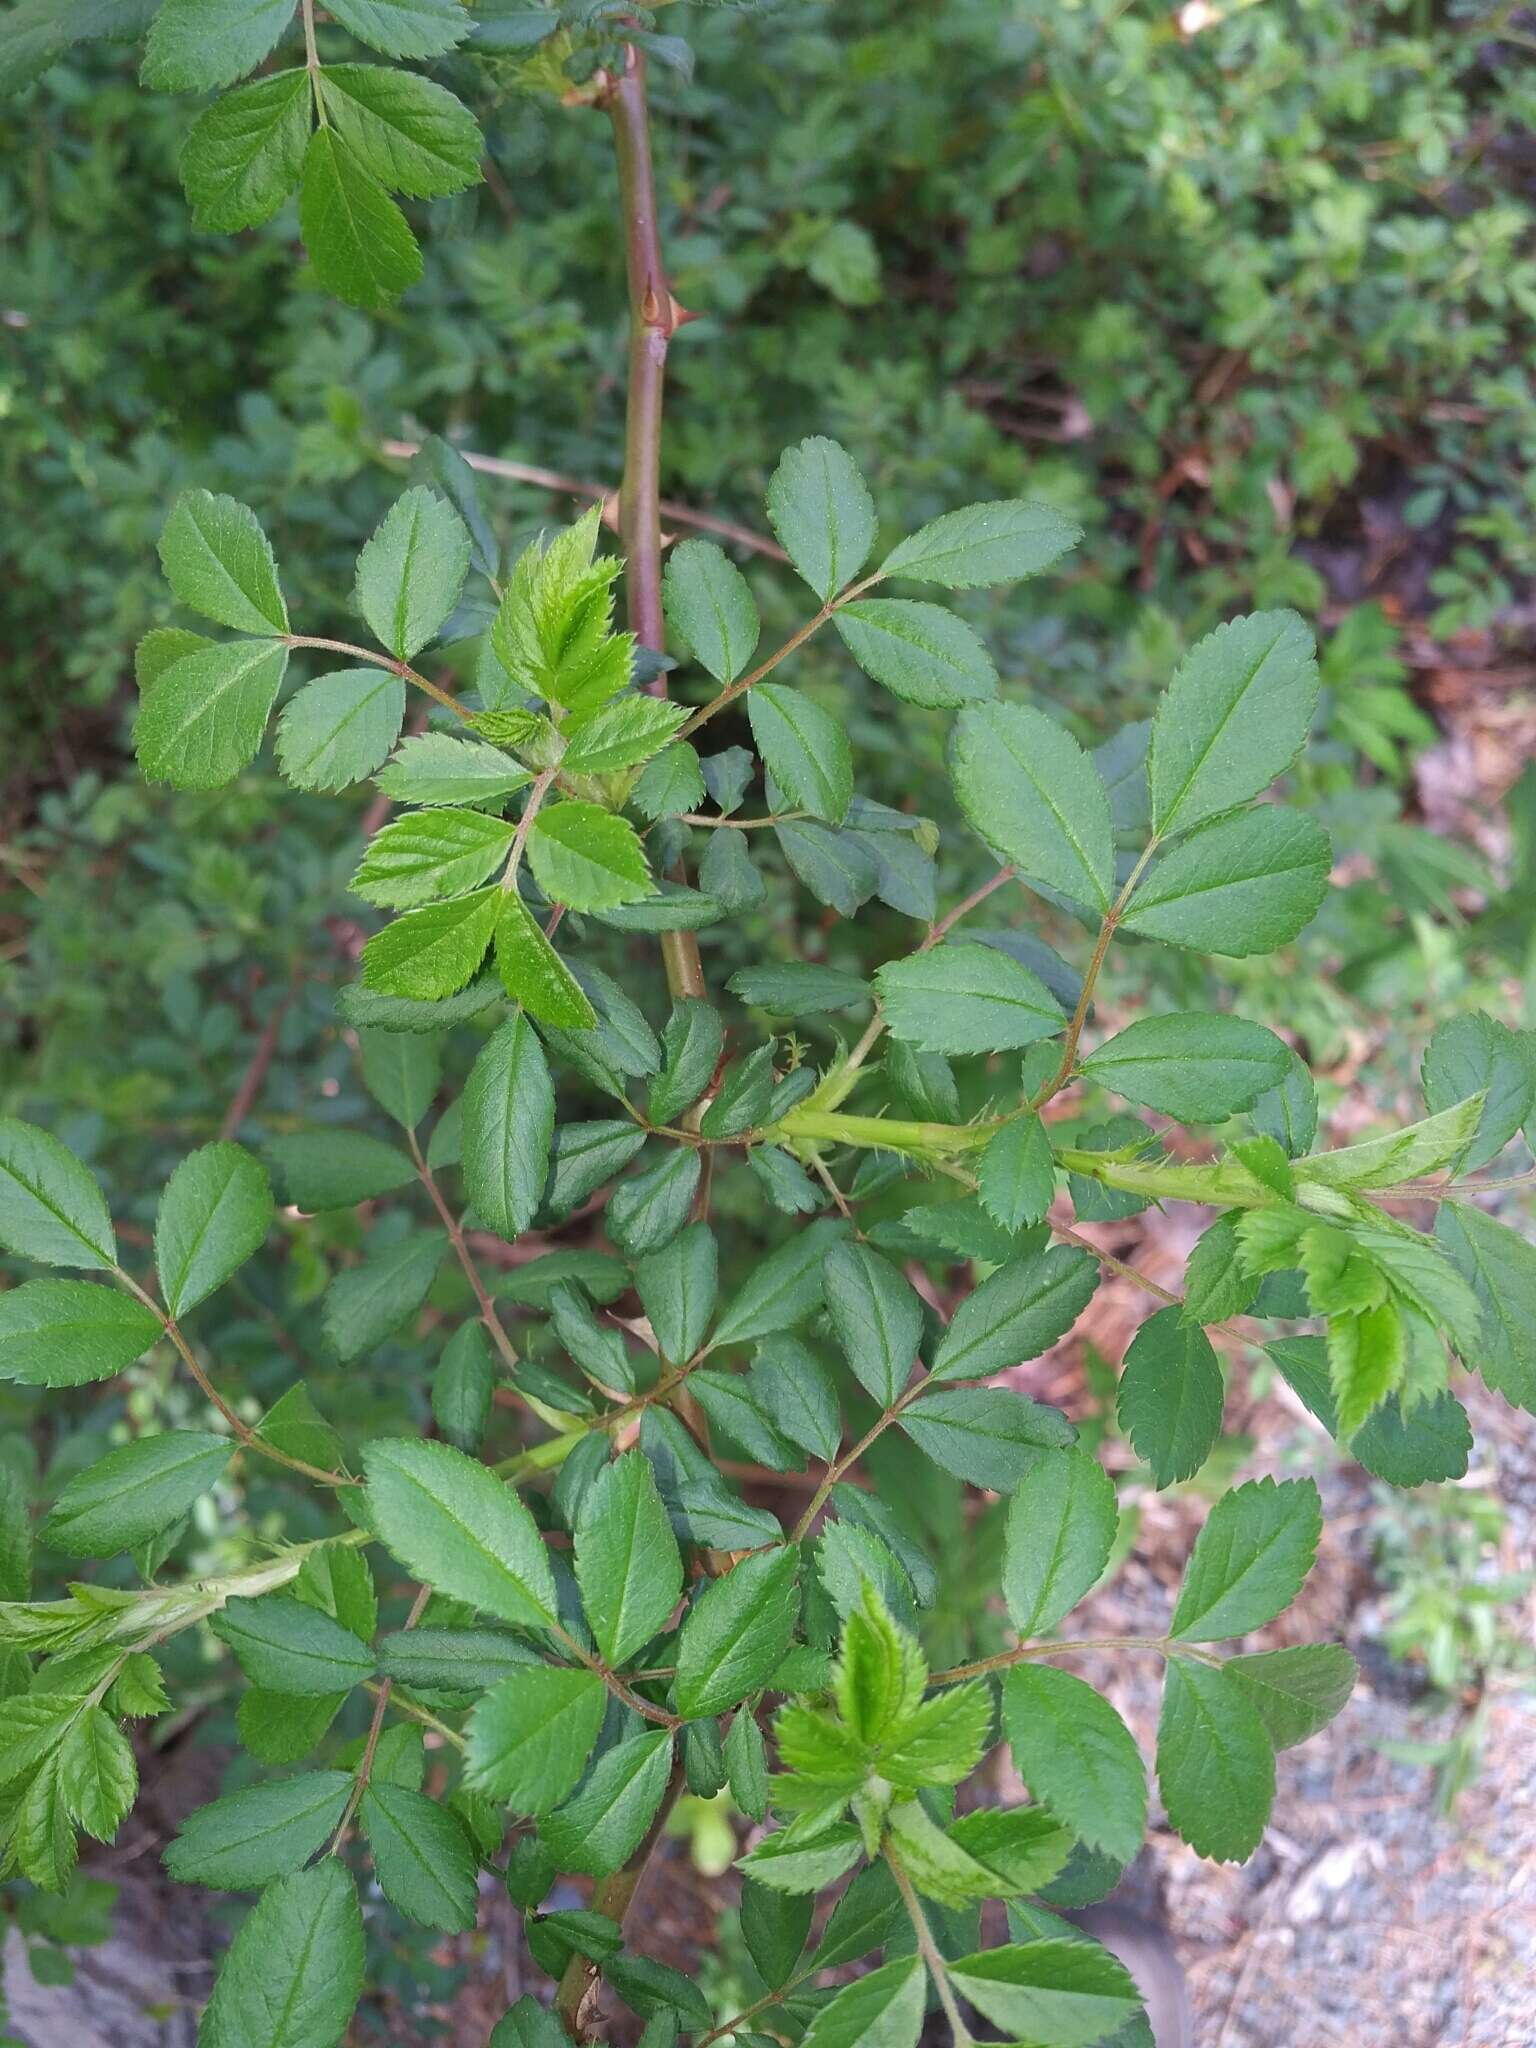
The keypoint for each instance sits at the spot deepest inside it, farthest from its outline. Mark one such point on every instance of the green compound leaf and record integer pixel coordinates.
(784, 1290)
(1288, 1114)
(619, 734)
(509, 1119)
(678, 1288)
(650, 1208)
(436, 462)
(628, 1565)
(412, 135)
(1500, 1266)
(1296, 1691)
(402, 1071)
(737, 1631)
(1472, 1055)
(1237, 886)
(422, 1857)
(405, 28)
(428, 855)
(216, 1211)
(1233, 718)
(453, 1659)
(821, 510)
(203, 721)
(1434, 1442)
(691, 1046)
(64, 1333)
(1017, 1313)
(746, 1764)
(358, 239)
(671, 784)
(261, 1833)
(531, 1736)
(463, 1387)
(453, 1524)
(1249, 1560)
(990, 1436)
(1216, 1282)
(339, 729)
(336, 1168)
(287, 1646)
(195, 45)
(436, 768)
(966, 998)
(368, 1303)
(135, 1491)
(432, 952)
(294, 1973)
(1069, 1992)
(1000, 542)
(877, 1316)
(218, 562)
(588, 858)
(1215, 1762)
(774, 1928)
(1016, 1176)
(51, 1209)
(710, 608)
(604, 1824)
(795, 988)
(1194, 1067)
(1060, 1531)
(245, 154)
(98, 1777)
(920, 652)
(533, 973)
(804, 749)
(881, 2010)
(1171, 1395)
(412, 570)
(1076, 1754)
(159, 648)
(1030, 791)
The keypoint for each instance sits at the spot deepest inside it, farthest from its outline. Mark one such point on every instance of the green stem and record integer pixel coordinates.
(882, 1133)
(1030, 1653)
(494, 1326)
(536, 796)
(646, 1708)
(241, 1429)
(848, 1459)
(1107, 929)
(741, 824)
(375, 659)
(382, 1695)
(928, 1949)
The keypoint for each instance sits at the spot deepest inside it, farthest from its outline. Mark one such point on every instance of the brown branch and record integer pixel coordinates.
(495, 1328)
(580, 487)
(613, 1896)
(654, 316)
(252, 1081)
(381, 1700)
